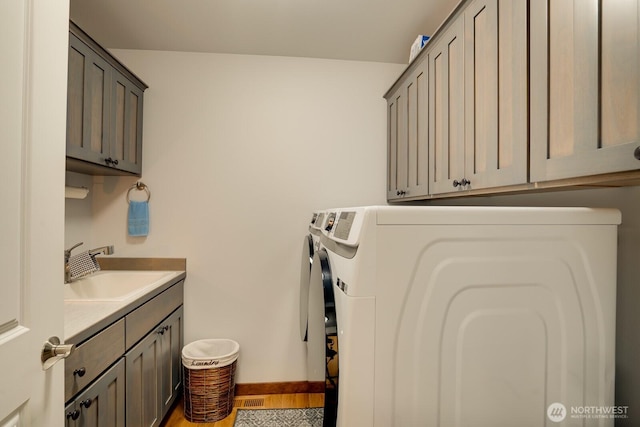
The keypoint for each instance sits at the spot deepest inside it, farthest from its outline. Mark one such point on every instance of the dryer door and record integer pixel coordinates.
(305, 277)
(322, 342)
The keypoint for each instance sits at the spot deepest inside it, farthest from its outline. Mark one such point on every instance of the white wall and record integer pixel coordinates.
(238, 151)
(227, 146)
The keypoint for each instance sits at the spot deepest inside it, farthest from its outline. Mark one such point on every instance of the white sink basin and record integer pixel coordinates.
(114, 285)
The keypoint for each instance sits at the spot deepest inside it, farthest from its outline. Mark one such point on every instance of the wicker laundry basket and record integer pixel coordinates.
(209, 368)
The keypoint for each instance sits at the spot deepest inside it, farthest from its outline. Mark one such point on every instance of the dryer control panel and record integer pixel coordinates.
(343, 227)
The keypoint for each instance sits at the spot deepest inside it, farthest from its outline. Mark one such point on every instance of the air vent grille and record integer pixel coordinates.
(249, 403)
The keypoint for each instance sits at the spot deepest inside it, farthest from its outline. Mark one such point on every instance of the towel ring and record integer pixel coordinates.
(140, 186)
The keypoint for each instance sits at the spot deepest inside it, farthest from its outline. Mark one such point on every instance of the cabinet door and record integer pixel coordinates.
(143, 382)
(103, 403)
(171, 365)
(71, 415)
(89, 89)
(446, 109)
(585, 87)
(417, 166)
(407, 125)
(396, 144)
(496, 140)
(126, 124)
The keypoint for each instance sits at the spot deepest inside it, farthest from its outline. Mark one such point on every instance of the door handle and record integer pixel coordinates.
(52, 351)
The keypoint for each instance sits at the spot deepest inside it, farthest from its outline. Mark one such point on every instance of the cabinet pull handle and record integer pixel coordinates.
(636, 153)
(73, 414)
(86, 403)
(463, 182)
(80, 372)
(400, 193)
(111, 162)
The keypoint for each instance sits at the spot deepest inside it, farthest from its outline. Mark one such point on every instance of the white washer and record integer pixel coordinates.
(465, 316)
(310, 244)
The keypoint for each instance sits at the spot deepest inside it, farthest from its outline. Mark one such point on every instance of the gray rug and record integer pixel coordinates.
(306, 417)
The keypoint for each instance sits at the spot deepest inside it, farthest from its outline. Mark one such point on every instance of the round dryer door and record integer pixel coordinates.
(322, 340)
(305, 277)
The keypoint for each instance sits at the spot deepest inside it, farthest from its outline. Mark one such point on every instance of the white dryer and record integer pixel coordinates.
(464, 316)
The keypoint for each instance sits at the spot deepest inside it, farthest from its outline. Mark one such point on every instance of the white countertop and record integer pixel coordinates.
(81, 315)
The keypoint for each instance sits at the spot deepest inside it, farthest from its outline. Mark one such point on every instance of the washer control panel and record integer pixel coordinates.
(331, 220)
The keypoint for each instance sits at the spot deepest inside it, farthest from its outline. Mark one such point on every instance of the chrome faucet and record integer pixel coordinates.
(104, 250)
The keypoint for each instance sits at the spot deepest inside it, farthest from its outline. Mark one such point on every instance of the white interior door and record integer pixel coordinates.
(32, 142)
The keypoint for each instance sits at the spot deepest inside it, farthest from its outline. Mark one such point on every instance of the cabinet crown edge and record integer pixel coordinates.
(106, 55)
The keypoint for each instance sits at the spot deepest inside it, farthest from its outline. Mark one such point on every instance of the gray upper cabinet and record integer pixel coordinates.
(126, 123)
(523, 95)
(446, 109)
(585, 88)
(496, 103)
(478, 92)
(87, 103)
(407, 127)
(104, 111)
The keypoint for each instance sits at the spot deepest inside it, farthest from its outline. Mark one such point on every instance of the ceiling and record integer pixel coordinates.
(360, 30)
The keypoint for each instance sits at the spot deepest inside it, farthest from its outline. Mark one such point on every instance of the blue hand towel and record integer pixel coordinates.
(138, 218)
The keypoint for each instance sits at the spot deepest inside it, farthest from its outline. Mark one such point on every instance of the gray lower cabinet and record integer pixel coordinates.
(104, 111)
(102, 404)
(171, 343)
(154, 373)
(585, 88)
(131, 370)
(92, 357)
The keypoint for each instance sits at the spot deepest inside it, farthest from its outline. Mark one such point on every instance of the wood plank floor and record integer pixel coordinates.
(270, 401)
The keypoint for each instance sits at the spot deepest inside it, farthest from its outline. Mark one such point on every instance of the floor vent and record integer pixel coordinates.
(249, 403)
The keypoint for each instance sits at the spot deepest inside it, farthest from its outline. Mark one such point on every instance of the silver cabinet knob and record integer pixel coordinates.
(52, 351)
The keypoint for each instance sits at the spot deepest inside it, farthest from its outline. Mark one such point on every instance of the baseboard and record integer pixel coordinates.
(251, 389)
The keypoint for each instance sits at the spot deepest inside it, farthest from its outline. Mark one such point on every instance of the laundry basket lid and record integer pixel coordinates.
(210, 353)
